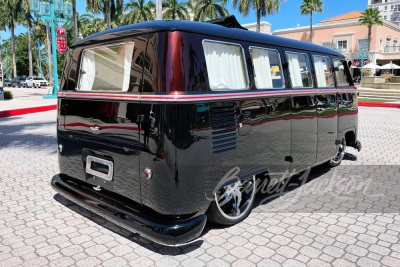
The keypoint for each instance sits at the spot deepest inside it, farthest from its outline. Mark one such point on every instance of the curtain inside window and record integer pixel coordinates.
(294, 69)
(127, 66)
(87, 71)
(320, 71)
(225, 66)
(262, 68)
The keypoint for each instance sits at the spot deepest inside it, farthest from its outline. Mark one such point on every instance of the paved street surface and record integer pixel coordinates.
(26, 98)
(343, 216)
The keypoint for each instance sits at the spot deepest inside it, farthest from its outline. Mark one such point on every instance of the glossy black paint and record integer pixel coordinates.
(191, 146)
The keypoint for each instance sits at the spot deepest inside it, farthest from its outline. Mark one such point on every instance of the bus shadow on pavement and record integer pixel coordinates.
(133, 237)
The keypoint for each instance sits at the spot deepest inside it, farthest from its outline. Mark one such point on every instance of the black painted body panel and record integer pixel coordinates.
(192, 142)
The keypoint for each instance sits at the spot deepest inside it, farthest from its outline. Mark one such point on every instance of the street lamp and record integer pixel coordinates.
(6, 49)
(39, 43)
(51, 11)
(362, 54)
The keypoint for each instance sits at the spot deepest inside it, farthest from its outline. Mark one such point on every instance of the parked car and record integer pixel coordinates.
(7, 83)
(17, 81)
(36, 82)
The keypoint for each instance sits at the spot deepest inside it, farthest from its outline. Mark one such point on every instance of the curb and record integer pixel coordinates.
(381, 105)
(22, 111)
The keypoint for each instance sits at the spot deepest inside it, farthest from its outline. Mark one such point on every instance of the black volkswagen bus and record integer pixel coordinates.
(164, 124)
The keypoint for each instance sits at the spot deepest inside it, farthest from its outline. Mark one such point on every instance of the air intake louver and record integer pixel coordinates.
(224, 128)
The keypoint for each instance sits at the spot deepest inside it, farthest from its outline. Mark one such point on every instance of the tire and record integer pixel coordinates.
(224, 214)
(336, 160)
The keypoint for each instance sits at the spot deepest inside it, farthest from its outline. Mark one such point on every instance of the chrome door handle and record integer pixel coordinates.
(95, 128)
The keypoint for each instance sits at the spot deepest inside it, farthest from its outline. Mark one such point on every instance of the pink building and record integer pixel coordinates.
(345, 34)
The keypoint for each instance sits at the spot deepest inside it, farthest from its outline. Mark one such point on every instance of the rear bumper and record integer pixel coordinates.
(167, 232)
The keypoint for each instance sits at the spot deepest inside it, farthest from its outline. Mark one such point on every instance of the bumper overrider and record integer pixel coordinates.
(167, 232)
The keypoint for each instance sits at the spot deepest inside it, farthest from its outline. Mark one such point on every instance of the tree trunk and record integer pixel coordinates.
(369, 37)
(50, 72)
(13, 51)
(258, 20)
(108, 14)
(30, 50)
(75, 19)
(311, 26)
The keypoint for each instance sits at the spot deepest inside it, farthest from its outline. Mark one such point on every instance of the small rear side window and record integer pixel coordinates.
(299, 69)
(267, 68)
(106, 68)
(340, 73)
(225, 65)
(323, 71)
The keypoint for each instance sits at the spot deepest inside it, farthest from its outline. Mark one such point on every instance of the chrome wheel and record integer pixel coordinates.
(235, 200)
(340, 155)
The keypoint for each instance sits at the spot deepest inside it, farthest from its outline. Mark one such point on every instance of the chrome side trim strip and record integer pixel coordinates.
(199, 97)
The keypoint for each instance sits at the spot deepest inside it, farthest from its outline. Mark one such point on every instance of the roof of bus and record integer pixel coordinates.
(203, 28)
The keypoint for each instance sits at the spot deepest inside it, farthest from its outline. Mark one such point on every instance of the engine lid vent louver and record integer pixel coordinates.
(224, 128)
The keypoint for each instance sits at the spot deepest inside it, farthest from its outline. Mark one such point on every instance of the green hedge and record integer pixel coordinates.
(7, 95)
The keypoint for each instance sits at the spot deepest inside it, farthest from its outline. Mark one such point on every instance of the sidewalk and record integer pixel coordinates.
(26, 100)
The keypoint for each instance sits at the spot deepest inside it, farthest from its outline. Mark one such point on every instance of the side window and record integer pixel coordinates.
(225, 65)
(106, 68)
(299, 69)
(267, 68)
(340, 73)
(323, 71)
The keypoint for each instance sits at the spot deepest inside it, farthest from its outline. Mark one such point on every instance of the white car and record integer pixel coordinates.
(36, 82)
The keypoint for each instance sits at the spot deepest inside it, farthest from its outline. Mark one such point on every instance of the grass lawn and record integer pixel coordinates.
(374, 100)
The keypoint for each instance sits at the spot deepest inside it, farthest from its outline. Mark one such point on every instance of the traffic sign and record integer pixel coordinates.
(61, 40)
(61, 31)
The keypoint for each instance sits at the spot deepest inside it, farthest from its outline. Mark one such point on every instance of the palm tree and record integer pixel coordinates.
(139, 11)
(262, 7)
(211, 9)
(174, 10)
(110, 8)
(75, 20)
(82, 21)
(308, 7)
(28, 22)
(371, 17)
(10, 17)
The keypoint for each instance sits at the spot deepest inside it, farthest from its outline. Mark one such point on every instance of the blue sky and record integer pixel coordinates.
(288, 16)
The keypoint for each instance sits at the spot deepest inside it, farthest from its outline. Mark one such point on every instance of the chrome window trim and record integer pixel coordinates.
(308, 65)
(332, 70)
(93, 48)
(243, 60)
(280, 60)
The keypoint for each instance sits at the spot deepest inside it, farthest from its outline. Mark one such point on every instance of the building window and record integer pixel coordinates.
(385, 8)
(219, 55)
(323, 71)
(362, 44)
(391, 7)
(267, 68)
(326, 44)
(388, 43)
(299, 69)
(342, 45)
(385, 17)
(380, 44)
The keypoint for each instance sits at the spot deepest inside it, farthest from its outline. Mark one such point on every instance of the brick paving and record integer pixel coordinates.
(355, 222)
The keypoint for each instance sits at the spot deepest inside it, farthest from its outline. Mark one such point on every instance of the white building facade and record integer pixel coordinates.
(390, 9)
